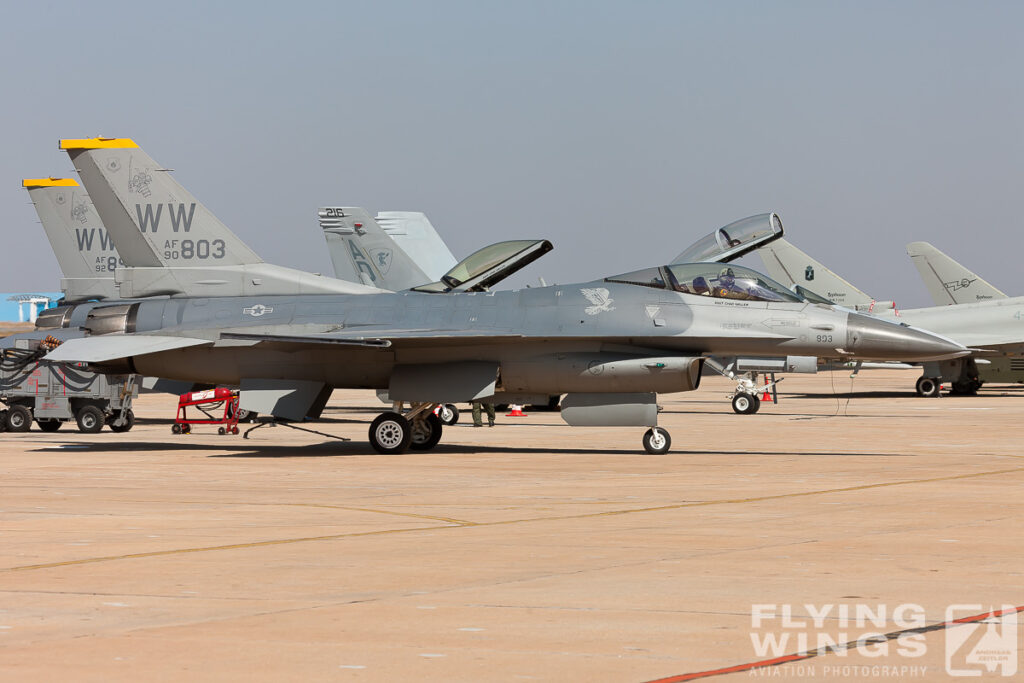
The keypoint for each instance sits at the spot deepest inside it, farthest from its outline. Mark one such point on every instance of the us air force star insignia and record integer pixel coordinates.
(257, 310)
(601, 299)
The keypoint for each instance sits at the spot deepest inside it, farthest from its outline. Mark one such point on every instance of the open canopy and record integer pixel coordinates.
(734, 240)
(486, 267)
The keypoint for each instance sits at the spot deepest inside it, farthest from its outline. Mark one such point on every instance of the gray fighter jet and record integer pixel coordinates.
(991, 327)
(611, 345)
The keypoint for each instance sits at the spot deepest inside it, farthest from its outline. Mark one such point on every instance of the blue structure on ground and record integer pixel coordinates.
(23, 307)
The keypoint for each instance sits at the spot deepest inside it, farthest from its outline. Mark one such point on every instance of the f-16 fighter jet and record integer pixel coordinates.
(611, 345)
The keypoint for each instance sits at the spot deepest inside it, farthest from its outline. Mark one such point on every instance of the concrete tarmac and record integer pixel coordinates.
(530, 551)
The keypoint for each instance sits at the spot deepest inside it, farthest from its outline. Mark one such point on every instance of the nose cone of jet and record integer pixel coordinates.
(870, 338)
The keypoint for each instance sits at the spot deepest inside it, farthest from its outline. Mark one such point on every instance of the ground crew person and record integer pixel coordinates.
(477, 417)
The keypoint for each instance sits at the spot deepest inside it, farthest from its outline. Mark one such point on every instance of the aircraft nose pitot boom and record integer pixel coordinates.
(869, 337)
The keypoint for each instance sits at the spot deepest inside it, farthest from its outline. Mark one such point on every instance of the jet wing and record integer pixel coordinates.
(113, 347)
(734, 240)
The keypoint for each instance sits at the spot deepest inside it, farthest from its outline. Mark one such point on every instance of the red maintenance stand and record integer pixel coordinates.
(209, 404)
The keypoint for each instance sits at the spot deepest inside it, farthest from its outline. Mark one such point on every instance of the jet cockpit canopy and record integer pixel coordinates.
(711, 279)
(734, 240)
(488, 266)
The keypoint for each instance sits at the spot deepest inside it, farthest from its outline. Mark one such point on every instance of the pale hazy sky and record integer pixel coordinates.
(620, 131)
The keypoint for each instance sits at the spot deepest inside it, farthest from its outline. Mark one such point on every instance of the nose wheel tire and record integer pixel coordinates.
(426, 432)
(390, 433)
(745, 404)
(657, 441)
(928, 386)
(448, 413)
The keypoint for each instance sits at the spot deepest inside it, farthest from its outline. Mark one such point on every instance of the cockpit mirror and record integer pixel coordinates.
(734, 240)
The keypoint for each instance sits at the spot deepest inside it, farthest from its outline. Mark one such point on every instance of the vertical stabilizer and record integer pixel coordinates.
(413, 232)
(83, 248)
(153, 220)
(362, 252)
(790, 266)
(947, 281)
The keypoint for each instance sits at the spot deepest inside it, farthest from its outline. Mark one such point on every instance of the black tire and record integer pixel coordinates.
(19, 419)
(657, 441)
(448, 413)
(49, 424)
(175, 428)
(426, 433)
(221, 431)
(929, 387)
(246, 415)
(129, 422)
(90, 419)
(3, 420)
(967, 388)
(745, 404)
(390, 433)
(186, 429)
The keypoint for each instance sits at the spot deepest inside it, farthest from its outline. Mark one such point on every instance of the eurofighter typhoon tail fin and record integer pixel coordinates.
(83, 248)
(171, 243)
(947, 281)
(362, 252)
(790, 266)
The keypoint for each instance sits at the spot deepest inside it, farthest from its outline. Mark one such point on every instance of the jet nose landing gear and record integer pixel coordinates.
(745, 404)
(657, 441)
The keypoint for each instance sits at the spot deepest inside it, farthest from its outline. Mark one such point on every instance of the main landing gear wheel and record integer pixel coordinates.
(48, 424)
(657, 441)
(745, 404)
(390, 433)
(448, 413)
(129, 422)
(426, 432)
(928, 386)
(19, 419)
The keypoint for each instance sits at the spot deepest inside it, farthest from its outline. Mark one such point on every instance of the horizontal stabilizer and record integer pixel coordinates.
(114, 347)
